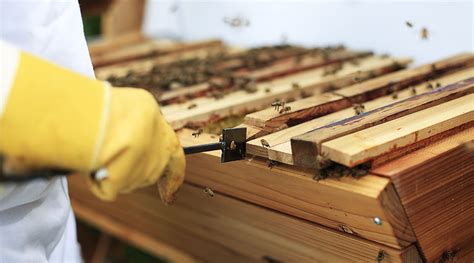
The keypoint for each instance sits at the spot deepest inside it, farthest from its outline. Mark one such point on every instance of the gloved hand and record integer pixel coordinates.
(53, 118)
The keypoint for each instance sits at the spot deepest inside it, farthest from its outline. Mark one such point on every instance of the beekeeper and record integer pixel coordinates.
(54, 114)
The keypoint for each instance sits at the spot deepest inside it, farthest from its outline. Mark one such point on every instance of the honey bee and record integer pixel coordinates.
(438, 84)
(429, 86)
(285, 109)
(192, 106)
(271, 164)
(413, 91)
(395, 95)
(359, 108)
(197, 133)
(233, 146)
(409, 24)
(209, 192)
(277, 104)
(295, 86)
(380, 256)
(424, 33)
(268, 90)
(264, 143)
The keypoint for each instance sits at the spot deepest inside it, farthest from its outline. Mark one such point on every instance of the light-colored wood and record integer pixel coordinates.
(121, 17)
(303, 62)
(367, 144)
(280, 144)
(223, 229)
(98, 48)
(404, 78)
(142, 65)
(241, 102)
(121, 229)
(278, 68)
(270, 119)
(436, 187)
(346, 203)
(307, 146)
(149, 49)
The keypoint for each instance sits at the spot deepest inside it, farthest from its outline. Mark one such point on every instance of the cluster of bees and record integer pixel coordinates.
(281, 107)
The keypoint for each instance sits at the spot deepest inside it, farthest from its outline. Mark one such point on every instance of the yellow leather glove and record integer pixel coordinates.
(51, 117)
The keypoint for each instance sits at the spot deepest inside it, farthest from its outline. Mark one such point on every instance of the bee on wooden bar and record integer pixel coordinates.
(277, 104)
(413, 90)
(322, 161)
(268, 90)
(380, 256)
(305, 94)
(285, 109)
(264, 143)
(192, 106)
(233, 146)
(271, 164)
(424, 33)
(197, 133)
(209, 192)
(429, 86)
(395, 94)
(295, 85)
(320, 175)
(438, 84)
(359, 108)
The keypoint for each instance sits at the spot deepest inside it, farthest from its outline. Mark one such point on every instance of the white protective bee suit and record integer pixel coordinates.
(36, 220)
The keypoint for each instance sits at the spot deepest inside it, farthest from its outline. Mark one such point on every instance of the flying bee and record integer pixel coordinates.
(197, 133)
(380, 256)
(424, 33)
(277, 104)
(264, 143)
(359, 108)
(409, 24)
(209, 192)
(285, 109)
(192, 106)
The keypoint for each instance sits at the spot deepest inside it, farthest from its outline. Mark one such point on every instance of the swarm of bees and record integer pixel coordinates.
(359, 108)
(209, 192)
(197, 133)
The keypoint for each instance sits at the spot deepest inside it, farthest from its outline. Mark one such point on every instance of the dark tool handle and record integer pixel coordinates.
(204, 148)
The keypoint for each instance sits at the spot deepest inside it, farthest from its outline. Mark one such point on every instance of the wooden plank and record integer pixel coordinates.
(280, 144)
(307, 146)
(436, 187)
(241, 102)
(271, 121)
(365, 145)
(149, 50)
(223, 229)
(339, 204)
(121, 17)
(398, 80)
(276, 69)
(122, 230)
(121, 69)
(97, 48)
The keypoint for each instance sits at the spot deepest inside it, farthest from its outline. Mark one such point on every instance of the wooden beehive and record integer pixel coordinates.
(370, 162)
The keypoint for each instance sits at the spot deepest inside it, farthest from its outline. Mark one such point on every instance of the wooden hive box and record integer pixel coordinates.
(413, 204)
